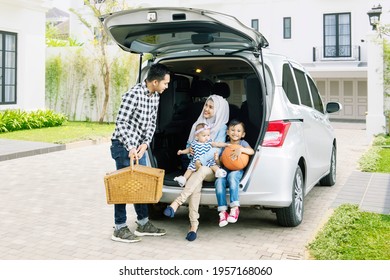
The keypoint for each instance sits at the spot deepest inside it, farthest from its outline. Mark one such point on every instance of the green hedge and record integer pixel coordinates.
(12, 120)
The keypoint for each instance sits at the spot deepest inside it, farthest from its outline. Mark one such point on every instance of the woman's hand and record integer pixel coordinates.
(191, 151)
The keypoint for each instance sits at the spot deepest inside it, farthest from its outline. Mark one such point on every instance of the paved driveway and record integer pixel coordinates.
(52, 206)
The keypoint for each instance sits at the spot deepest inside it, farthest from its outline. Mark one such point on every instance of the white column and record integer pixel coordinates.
(375, 120)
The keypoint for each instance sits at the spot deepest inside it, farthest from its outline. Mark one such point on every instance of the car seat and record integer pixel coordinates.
(200, 91)
(223, 89)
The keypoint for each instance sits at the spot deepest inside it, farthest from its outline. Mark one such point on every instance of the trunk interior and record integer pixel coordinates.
(192, 81)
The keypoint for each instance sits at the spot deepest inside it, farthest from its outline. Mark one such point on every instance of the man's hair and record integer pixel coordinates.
(157, 72)
(235, 122)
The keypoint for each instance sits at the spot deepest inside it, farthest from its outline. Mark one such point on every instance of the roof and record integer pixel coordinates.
(56, 13)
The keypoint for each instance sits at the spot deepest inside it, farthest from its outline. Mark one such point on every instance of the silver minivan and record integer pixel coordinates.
(286, 121)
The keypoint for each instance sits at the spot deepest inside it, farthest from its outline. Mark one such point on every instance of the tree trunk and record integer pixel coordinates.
(106, 77)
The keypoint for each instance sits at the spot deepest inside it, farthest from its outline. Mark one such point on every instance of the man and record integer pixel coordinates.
(134, 129)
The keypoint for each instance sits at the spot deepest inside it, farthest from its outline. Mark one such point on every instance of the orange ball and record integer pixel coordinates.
(240, 163)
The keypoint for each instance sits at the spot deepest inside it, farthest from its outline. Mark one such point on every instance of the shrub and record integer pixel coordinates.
(12, 120)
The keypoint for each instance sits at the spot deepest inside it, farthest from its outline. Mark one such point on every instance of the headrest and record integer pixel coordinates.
(221, 89)
(182, 83)
(200, 88)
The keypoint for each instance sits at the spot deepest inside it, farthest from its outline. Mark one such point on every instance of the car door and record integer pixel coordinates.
(317, 132)
(163, 30)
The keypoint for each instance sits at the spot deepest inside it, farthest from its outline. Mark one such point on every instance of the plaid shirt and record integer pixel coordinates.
(136, 120)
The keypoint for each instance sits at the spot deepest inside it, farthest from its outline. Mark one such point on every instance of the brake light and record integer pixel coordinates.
(276, 133)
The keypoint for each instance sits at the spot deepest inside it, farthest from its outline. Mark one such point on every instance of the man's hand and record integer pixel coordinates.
(133, 154)
(141, 150)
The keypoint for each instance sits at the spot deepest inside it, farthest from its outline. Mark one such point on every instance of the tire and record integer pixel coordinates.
(330, 179)
(292, 216)
(156, 211)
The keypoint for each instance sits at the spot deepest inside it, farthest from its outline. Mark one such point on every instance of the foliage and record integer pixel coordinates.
(386, 70)
(353, 235)
(120, 80)
(376, 158)
(54, 70)
(12, 120)
(68, 132)
(101, 40)
(369, 160)
(54, 39)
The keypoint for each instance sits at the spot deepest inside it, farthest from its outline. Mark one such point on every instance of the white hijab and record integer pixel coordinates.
(221, 117)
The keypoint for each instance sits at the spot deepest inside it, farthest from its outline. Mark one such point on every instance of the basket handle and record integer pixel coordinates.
(132, 162)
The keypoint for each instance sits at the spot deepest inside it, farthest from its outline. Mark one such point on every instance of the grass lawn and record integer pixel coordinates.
(353, 235)
(384, 161)
(384, 154)
(66, 133)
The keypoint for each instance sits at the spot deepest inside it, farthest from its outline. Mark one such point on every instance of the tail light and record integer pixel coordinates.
(276, 133)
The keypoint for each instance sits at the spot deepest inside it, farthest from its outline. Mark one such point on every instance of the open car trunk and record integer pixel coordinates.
(182, 103)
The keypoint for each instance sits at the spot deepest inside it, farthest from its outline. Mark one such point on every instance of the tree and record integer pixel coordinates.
(101, 41)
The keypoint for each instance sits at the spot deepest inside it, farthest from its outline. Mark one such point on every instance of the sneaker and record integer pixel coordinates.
(223, 218)
(220, 173)
(233, 216)
(124, 235)
(181, 180)
(149, 229)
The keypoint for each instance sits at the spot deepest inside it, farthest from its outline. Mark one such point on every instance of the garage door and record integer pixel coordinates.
(351, 93)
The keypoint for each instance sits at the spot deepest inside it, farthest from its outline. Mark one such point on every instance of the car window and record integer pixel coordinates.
(317, 101)
(289, 85)
(304, 92)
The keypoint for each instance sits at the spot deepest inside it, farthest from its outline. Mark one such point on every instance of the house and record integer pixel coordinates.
(59, 19)
(22, 54)
(330, 38)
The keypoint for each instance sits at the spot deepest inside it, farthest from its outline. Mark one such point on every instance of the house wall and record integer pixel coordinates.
(307, 37)
(27, 19)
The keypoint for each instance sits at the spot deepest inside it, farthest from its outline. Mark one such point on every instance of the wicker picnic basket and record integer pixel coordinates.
(134, 184)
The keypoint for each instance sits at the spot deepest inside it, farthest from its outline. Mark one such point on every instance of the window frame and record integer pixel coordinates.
(289, 84)
(287, 28)
(255, 24)
(303, 88)
(327, 51)
(3, 67)
(316, 96)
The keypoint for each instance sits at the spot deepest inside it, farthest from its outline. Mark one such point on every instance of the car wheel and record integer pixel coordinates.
(156, 210)
(330, 179)
(292, 216)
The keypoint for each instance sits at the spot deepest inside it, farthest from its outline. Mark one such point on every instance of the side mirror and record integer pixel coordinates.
(333, 107)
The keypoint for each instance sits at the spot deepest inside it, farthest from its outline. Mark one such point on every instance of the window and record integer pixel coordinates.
(7, 67)
(317, 101)
(337, 35)
(304, 92)
(289, 85)
(287, 28)
(255, 24)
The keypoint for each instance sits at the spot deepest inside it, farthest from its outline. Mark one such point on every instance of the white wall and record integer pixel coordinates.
(27, 19)
(306, 17)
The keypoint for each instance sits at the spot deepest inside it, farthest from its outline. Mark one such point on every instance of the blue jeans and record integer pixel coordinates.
(121, 157)
(232, 180)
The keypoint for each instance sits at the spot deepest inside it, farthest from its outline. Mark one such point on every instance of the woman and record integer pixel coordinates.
(215, 114)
